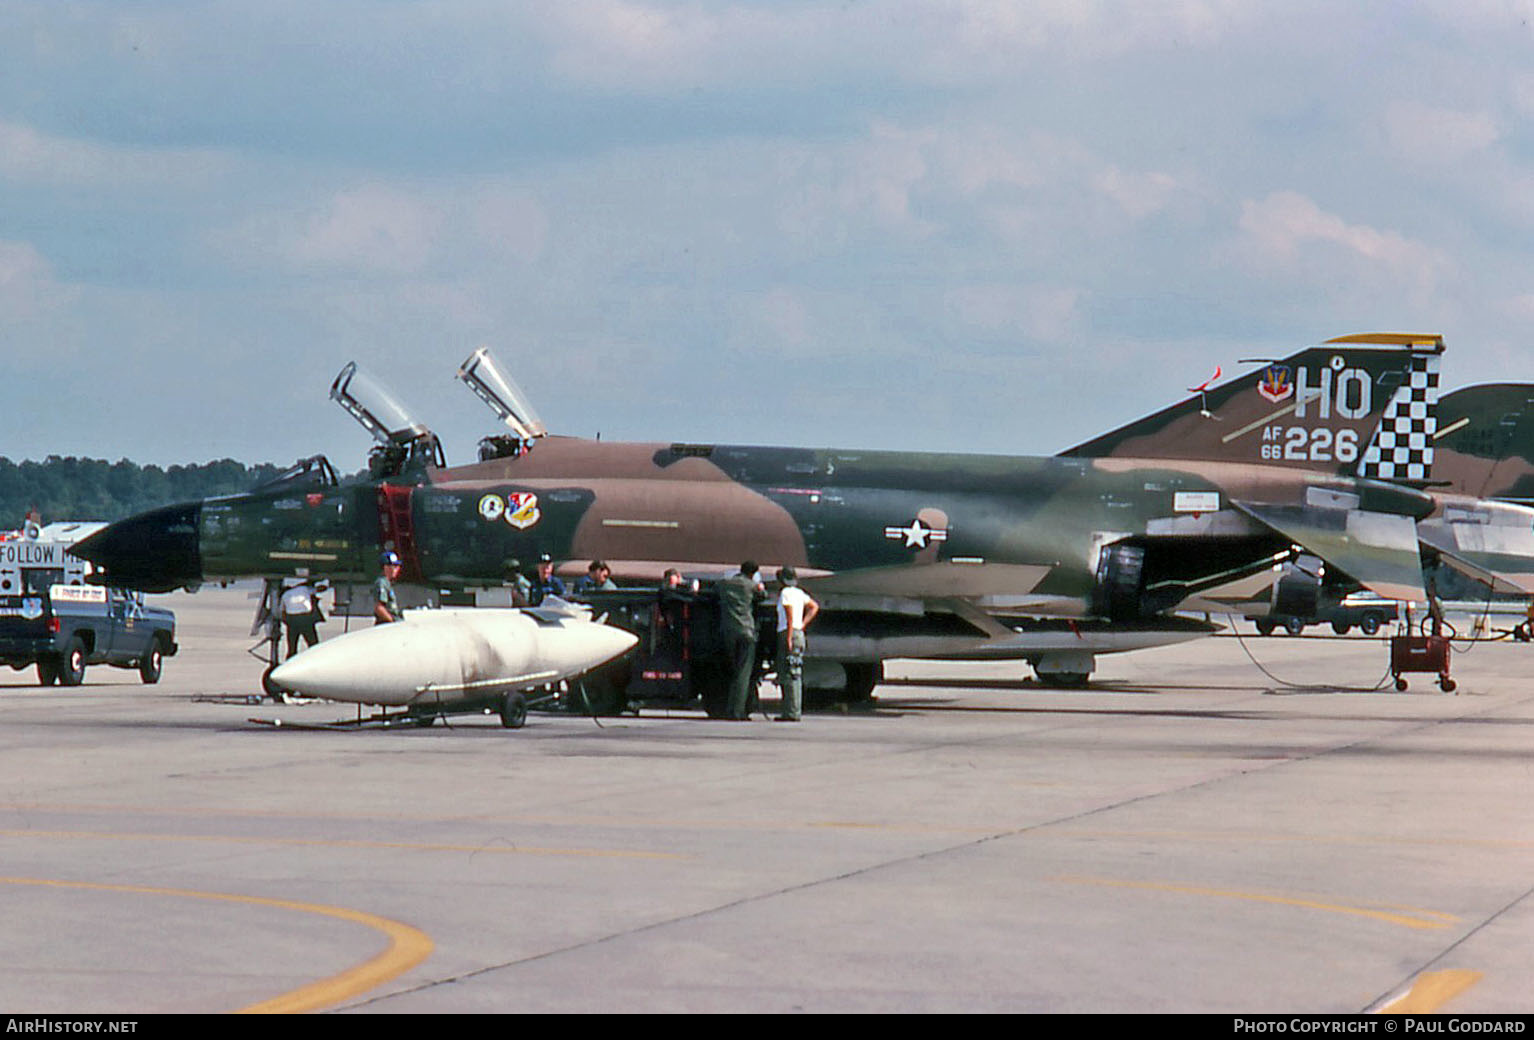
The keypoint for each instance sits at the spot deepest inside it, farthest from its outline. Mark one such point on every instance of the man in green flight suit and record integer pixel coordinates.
(738, 596)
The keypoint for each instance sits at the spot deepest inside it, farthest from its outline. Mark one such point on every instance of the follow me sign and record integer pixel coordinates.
(33, 554)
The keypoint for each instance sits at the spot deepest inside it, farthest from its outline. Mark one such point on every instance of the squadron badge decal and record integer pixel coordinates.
(522, 509)
(1276, 383)
(491, 507)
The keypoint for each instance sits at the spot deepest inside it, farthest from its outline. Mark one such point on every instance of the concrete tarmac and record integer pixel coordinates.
(1190, 834)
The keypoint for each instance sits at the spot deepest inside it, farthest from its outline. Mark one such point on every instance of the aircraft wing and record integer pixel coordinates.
(1377, 550)
(932, 580)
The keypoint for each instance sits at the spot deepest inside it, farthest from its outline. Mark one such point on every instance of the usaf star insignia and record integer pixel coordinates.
(917, 535)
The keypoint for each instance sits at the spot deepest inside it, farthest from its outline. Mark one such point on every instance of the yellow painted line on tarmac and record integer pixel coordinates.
(1430, 991)
(614, 822)
(407, 946)
(1407, 917)
(233, 839)
(1315, 839)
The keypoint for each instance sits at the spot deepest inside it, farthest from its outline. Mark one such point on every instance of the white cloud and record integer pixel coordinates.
(1138, 194)
(1048, 313)
(870, 182)
(1284, 227)
(30, 156)
(647, 46)
(28, 287)
(1432, 135)
(370, 228)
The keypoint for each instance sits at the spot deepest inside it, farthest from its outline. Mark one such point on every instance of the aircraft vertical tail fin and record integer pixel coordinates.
(1349, 405)
(1485, 441)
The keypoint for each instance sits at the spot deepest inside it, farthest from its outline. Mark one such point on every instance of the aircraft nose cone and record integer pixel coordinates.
(326, 670)
(155, 551)
(613, 642)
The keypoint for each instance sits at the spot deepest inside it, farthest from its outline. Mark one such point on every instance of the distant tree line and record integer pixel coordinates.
(95, 489)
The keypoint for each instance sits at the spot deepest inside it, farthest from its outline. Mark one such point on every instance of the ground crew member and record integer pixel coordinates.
(521, 588)
(386, 606)
(546, 584)
(796, 609)
(598, 578)
(300, 614)
(738, 596)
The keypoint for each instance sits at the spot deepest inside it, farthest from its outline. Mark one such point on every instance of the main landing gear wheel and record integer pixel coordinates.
(514, 711)
(1064, 680)
(862, 677)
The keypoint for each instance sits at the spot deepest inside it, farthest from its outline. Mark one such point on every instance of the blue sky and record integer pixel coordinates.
(957, 225)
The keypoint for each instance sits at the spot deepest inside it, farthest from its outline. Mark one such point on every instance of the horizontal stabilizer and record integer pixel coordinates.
(1487, 543)
(1500, 582)
(1377, 550)
(932, 580)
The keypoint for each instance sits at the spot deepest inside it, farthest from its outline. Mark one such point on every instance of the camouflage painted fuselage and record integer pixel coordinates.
(1021, 533)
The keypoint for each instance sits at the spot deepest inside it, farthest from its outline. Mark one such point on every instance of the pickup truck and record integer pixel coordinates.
(63, 628)
(1370, 615)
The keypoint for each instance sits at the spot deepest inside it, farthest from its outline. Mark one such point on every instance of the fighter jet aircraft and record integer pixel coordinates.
(1053, 560)
(438, 662)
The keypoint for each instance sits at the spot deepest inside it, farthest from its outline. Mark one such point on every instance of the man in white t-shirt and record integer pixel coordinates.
(796, 609)
(300, 607)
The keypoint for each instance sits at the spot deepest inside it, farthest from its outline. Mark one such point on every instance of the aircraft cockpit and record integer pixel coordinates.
(403, 444)
(482, 374)
(313, 472)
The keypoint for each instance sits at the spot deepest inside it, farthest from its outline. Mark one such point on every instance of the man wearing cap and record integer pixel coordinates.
(796, 609)
(546, 584)
(385, 602)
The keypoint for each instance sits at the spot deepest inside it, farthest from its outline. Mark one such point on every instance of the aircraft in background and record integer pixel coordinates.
(1050, 559)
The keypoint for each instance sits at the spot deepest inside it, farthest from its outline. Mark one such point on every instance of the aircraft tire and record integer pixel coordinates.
(47, 671)
(270, 688)
(514, 711)
(151, 664)
(72, 663)
(1064, 680)
(862, 677)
